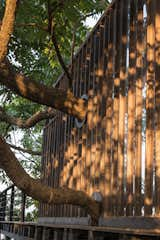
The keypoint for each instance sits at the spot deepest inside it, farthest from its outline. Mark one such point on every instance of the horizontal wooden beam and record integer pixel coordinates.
(140, 226)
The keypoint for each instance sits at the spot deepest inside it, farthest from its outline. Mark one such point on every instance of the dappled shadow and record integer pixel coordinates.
(117, 151)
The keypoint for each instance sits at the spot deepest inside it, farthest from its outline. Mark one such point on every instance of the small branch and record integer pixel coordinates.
(29, 151)
(6, 130)
(28, 159)
(30, 122)
(33, 25)
(88, 15)
(51, 30)
(72, 50)
(59, 56)
(7, 27)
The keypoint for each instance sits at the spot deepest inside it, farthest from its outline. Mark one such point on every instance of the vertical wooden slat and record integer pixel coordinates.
(76, 172)
(74, 132)
(74, 139)
(59, 157)
(131, 109)
(54, 158)
(112, 73)
(79, 131)
(97, 96)
(87, 149)
(140, 48)
(41, 205)
(63, 154)
(150, 110)
(56, 167)
(99, 111)
(90, 114)
(84, 127)
(49, 164)
(11, 204)
(104, 43)
(122, 108)
(68, 160)
(51, 161)
(44, 162)
(23, 205)
(109, 112)
(72, 143)
(157, 105)
(118, 46)
(64, 150)
(46, 166)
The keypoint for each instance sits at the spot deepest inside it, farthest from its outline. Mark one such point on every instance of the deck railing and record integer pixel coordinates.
(12, 204)
(117, 150)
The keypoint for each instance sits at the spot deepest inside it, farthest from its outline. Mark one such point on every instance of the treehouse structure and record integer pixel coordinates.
(115, 151)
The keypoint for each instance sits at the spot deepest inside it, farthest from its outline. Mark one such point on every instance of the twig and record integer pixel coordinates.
(51, 30)
(29, 151)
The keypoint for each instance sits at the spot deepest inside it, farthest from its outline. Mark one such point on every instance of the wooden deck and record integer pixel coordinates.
(30, 231)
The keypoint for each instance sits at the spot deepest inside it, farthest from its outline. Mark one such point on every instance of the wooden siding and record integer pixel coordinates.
(117, 151)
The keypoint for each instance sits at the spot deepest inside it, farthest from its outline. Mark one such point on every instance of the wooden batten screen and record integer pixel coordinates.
(117, 150)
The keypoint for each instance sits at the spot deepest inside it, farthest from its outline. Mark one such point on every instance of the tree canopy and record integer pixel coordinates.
(45, 38)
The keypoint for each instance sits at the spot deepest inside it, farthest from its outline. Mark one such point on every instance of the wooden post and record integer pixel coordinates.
(90, 235)
(11, 204)
(22, 217)
(3, 206)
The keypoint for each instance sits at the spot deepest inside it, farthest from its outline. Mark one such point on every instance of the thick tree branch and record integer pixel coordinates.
(29, 151)
(60, 99)
(7, 27)
(40, 192)
(30, 122)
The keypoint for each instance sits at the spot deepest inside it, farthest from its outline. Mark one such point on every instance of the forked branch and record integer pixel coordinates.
(28, 123)
(34, 188)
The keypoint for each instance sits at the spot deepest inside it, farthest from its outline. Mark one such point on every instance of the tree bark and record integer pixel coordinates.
(40, 192)
(59, 99)
(7, 27)
(28, 123)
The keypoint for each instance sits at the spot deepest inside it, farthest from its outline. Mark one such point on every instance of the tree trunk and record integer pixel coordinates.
(59, 99)
(40, 192)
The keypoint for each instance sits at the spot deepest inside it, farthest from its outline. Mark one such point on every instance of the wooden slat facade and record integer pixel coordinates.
(116, 151)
